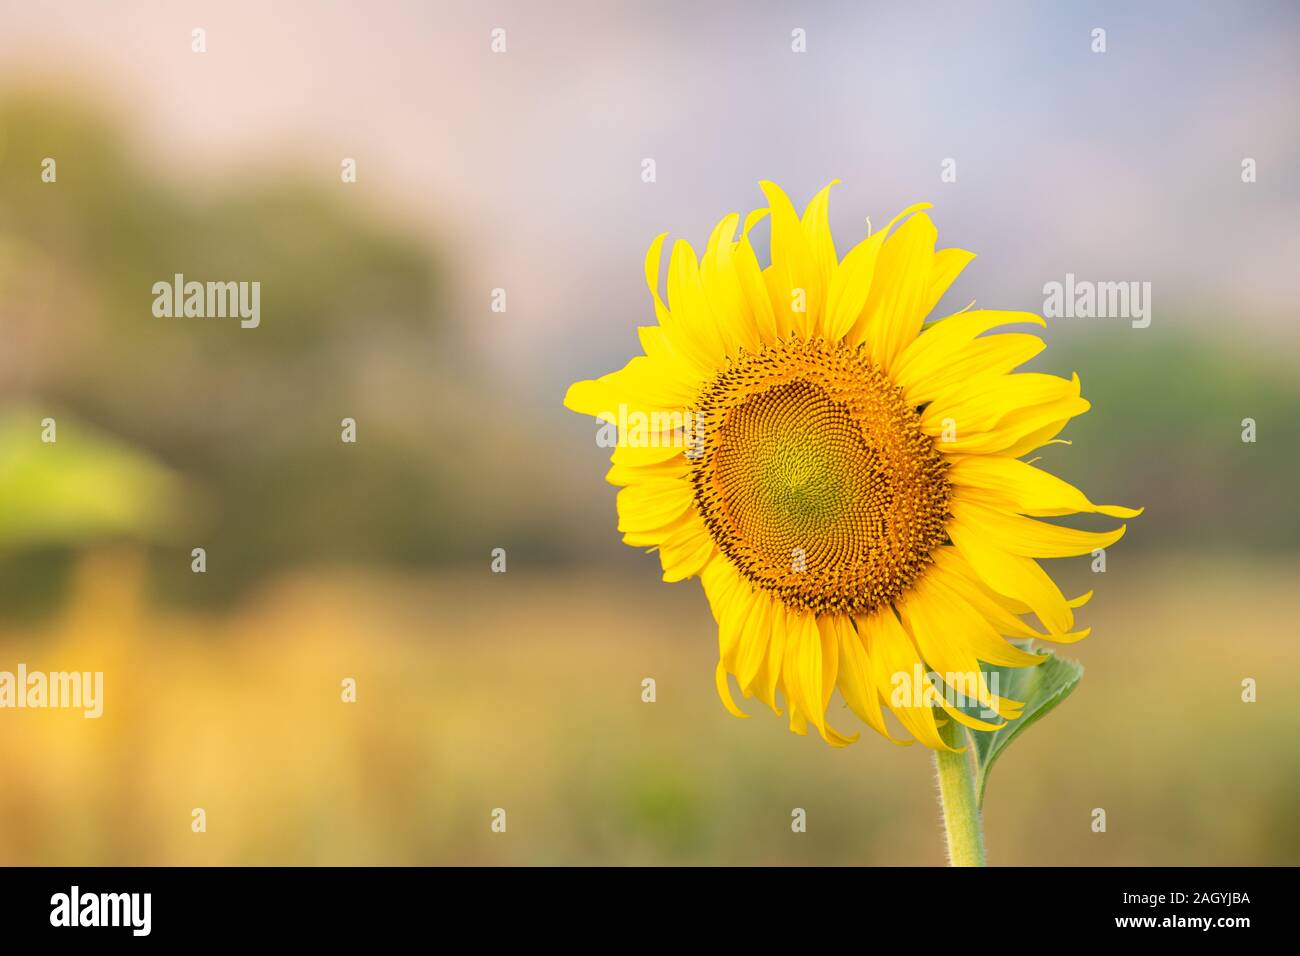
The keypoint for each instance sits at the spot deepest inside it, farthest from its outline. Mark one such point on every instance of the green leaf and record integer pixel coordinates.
(1041, 687)
(84, 487)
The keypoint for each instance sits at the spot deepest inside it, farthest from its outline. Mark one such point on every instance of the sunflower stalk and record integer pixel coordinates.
(961, 810)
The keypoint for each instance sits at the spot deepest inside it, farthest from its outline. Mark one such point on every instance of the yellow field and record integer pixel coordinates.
(523, 692)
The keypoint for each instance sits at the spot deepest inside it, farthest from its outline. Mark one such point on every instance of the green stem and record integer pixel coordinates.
(961, 811)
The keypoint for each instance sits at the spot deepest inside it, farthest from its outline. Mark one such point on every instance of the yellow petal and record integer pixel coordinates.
(644, 386)
(961, 577)
(895, 662)
(721, 279)
(850, 285)
(817, 228)
(721, 582)
(768, 678)
(854, 678)
(755, 635)
(803, 667)
(945, 646)
(976, 411)
(1031, 429)
(897, 304)
(1030, 537)
(724, 692)
(806, 675)
(728, 596)
(974, 723)
(1026, 489)
(685, 552)
(653, 537)
(686, 341)
(1015, 576)
(985, 358)
(753, 286)
(943, 594)
(675, 466)
(942, 340)
(1014, 434)
(672, 363)
(642, 456)
(793, 279)
(690, 306)
(653, 504)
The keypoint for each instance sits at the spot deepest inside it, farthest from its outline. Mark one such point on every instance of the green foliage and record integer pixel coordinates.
(1164, 432)
(84, 488)
(1041, 687)
(251, 417)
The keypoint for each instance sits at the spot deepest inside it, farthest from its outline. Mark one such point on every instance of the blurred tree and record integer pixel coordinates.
(351, 327)
(86, 488)
(1165, 432)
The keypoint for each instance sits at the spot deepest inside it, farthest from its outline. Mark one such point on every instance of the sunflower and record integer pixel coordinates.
(845, 479)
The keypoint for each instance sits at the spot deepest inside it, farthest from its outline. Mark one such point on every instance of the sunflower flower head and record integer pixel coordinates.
(846, 481)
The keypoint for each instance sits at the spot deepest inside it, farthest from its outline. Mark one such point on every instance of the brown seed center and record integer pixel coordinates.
(815, 479)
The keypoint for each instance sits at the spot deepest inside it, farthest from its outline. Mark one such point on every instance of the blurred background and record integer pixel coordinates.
(522, 171)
